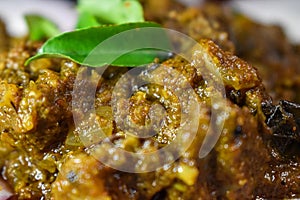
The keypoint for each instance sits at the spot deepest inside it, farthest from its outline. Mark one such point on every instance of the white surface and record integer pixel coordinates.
(12, 12)
(283, 12)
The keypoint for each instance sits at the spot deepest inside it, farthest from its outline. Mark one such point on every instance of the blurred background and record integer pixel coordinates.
(63, 12)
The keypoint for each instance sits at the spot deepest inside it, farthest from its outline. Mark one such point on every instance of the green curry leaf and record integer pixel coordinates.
(130, 44)
(86, 20)
(40, 28)
(112, 11)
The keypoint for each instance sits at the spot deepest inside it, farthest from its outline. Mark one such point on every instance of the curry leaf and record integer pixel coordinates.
(130, 44)
(40, 28)
(113, 11)
(86, 20)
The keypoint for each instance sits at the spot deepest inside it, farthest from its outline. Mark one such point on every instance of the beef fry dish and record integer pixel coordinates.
(257, 155)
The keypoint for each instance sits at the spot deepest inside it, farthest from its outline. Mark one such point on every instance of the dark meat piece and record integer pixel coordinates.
(284, 119)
